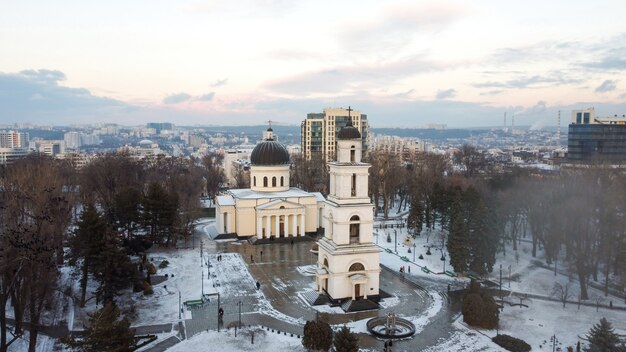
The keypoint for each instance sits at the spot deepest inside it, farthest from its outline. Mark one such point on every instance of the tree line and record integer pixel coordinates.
(92, 219)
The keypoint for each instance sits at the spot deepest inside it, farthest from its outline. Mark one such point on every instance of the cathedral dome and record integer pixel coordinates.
(349, 132)
(269, 152)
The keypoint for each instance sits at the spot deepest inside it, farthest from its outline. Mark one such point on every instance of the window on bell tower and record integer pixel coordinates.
(353, 192)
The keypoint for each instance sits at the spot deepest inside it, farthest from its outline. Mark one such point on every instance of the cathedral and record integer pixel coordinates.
(270, 208)
(348, 260)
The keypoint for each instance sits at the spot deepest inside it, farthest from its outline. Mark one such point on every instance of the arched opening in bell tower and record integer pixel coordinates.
(354, 229)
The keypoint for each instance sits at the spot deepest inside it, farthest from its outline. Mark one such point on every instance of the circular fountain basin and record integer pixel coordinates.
(377, 327)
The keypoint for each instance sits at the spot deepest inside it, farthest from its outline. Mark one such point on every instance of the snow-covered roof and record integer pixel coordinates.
(319, 196)
(225, 200)
(246, 193)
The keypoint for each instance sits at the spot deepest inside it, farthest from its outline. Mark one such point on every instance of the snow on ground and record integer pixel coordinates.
(463, 341)
(185, 276)
(542, 319)
(44, 343)
(225, 341)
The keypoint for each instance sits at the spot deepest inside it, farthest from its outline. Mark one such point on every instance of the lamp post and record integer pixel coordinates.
(443, 258)
(501, 298)
(218, 311)
(509, 276)
(395, 242)
(413, 251)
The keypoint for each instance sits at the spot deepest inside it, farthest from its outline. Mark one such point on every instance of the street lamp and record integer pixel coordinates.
(501, 298)
(395, 242)
(443, 258)
(413, 251)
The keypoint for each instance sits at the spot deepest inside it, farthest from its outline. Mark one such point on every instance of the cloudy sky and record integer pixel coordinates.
(404, 63)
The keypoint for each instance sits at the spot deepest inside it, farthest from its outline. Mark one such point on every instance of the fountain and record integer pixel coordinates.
(390, 327)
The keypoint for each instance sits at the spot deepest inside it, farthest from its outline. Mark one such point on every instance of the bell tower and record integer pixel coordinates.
(348, 259)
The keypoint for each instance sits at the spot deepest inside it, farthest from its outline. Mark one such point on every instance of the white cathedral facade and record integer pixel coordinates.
(270, 208)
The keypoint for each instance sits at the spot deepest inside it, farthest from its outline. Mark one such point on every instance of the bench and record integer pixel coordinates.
(388, 250)
(193, 303)
(450, 273)
(425, 269)
(405, 259)
(473, 277)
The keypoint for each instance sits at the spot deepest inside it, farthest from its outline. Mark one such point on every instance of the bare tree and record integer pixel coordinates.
(561, 292)
(32, 232)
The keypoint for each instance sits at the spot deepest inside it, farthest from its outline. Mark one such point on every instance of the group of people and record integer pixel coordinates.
(388, 346)
(402, 269)
(219, 257)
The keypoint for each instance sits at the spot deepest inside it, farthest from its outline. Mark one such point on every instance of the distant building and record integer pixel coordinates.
(160, 126)
(403, 147)
(13, 139)
(75, 140)
(9, 155)
(48, 147)
(596, 138)
(319, 130)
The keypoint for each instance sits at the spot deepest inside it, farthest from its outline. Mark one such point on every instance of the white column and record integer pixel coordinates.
(353, 298)
(301, 225)
(294, 225)
(277, 222)
(259, 227)
(268, 227)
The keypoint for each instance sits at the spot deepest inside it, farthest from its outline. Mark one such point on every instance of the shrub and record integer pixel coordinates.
(511, 343)
(164, 264)
(479, 308)
(318, 335)
(147, 288)
(151, 269)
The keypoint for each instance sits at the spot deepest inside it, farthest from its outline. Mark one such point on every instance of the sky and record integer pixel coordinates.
(241, 62)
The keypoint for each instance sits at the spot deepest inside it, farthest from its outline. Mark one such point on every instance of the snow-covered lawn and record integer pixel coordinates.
(541, 320)
(225, 341)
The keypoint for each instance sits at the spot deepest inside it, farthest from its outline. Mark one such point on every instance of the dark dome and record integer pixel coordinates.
(269, 152)
(349, 132)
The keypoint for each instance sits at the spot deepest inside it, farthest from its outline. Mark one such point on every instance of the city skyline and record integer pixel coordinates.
(404, 64)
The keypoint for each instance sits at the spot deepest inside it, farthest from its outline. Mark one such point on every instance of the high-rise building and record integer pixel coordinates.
(592, 138)
(13, 139)
(319, 130)
(160, 126)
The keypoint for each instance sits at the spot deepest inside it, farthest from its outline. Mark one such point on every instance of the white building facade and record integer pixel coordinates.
(348, 266)
(270, 208)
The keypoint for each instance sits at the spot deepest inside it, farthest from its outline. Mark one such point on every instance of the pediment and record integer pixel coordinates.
(278, 203)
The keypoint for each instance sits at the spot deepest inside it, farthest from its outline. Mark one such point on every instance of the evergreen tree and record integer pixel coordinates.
(126, 210)
(482, 238)
(86, 245)
(160, 213)
(415, 219)
(346, 341)
(106, 332)
(114, 270)
(458, 246)
(602, 338)
(318, 336)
